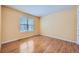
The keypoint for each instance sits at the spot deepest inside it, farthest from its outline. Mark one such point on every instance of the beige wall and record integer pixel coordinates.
(60, 25)
(0, 27)
(10, 25)
(78, 25)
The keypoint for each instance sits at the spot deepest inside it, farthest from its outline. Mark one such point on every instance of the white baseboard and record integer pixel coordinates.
(43, 35)
(61, 38)
(9, 41)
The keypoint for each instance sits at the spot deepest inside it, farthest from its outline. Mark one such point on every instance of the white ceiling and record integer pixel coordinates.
(41, 10)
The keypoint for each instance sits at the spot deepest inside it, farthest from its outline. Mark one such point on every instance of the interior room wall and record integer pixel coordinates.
(77, 24)
(0, 27)
(10, 25)
(61, 25)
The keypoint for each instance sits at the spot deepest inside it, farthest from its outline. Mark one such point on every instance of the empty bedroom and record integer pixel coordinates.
(39, 29)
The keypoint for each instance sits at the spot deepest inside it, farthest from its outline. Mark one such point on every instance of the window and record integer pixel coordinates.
(26, 24)
(30, 24)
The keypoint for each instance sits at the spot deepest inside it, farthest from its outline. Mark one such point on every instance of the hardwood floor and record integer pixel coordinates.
(40, 44)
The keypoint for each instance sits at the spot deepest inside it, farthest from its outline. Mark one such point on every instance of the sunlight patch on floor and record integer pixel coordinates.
(27, 47)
